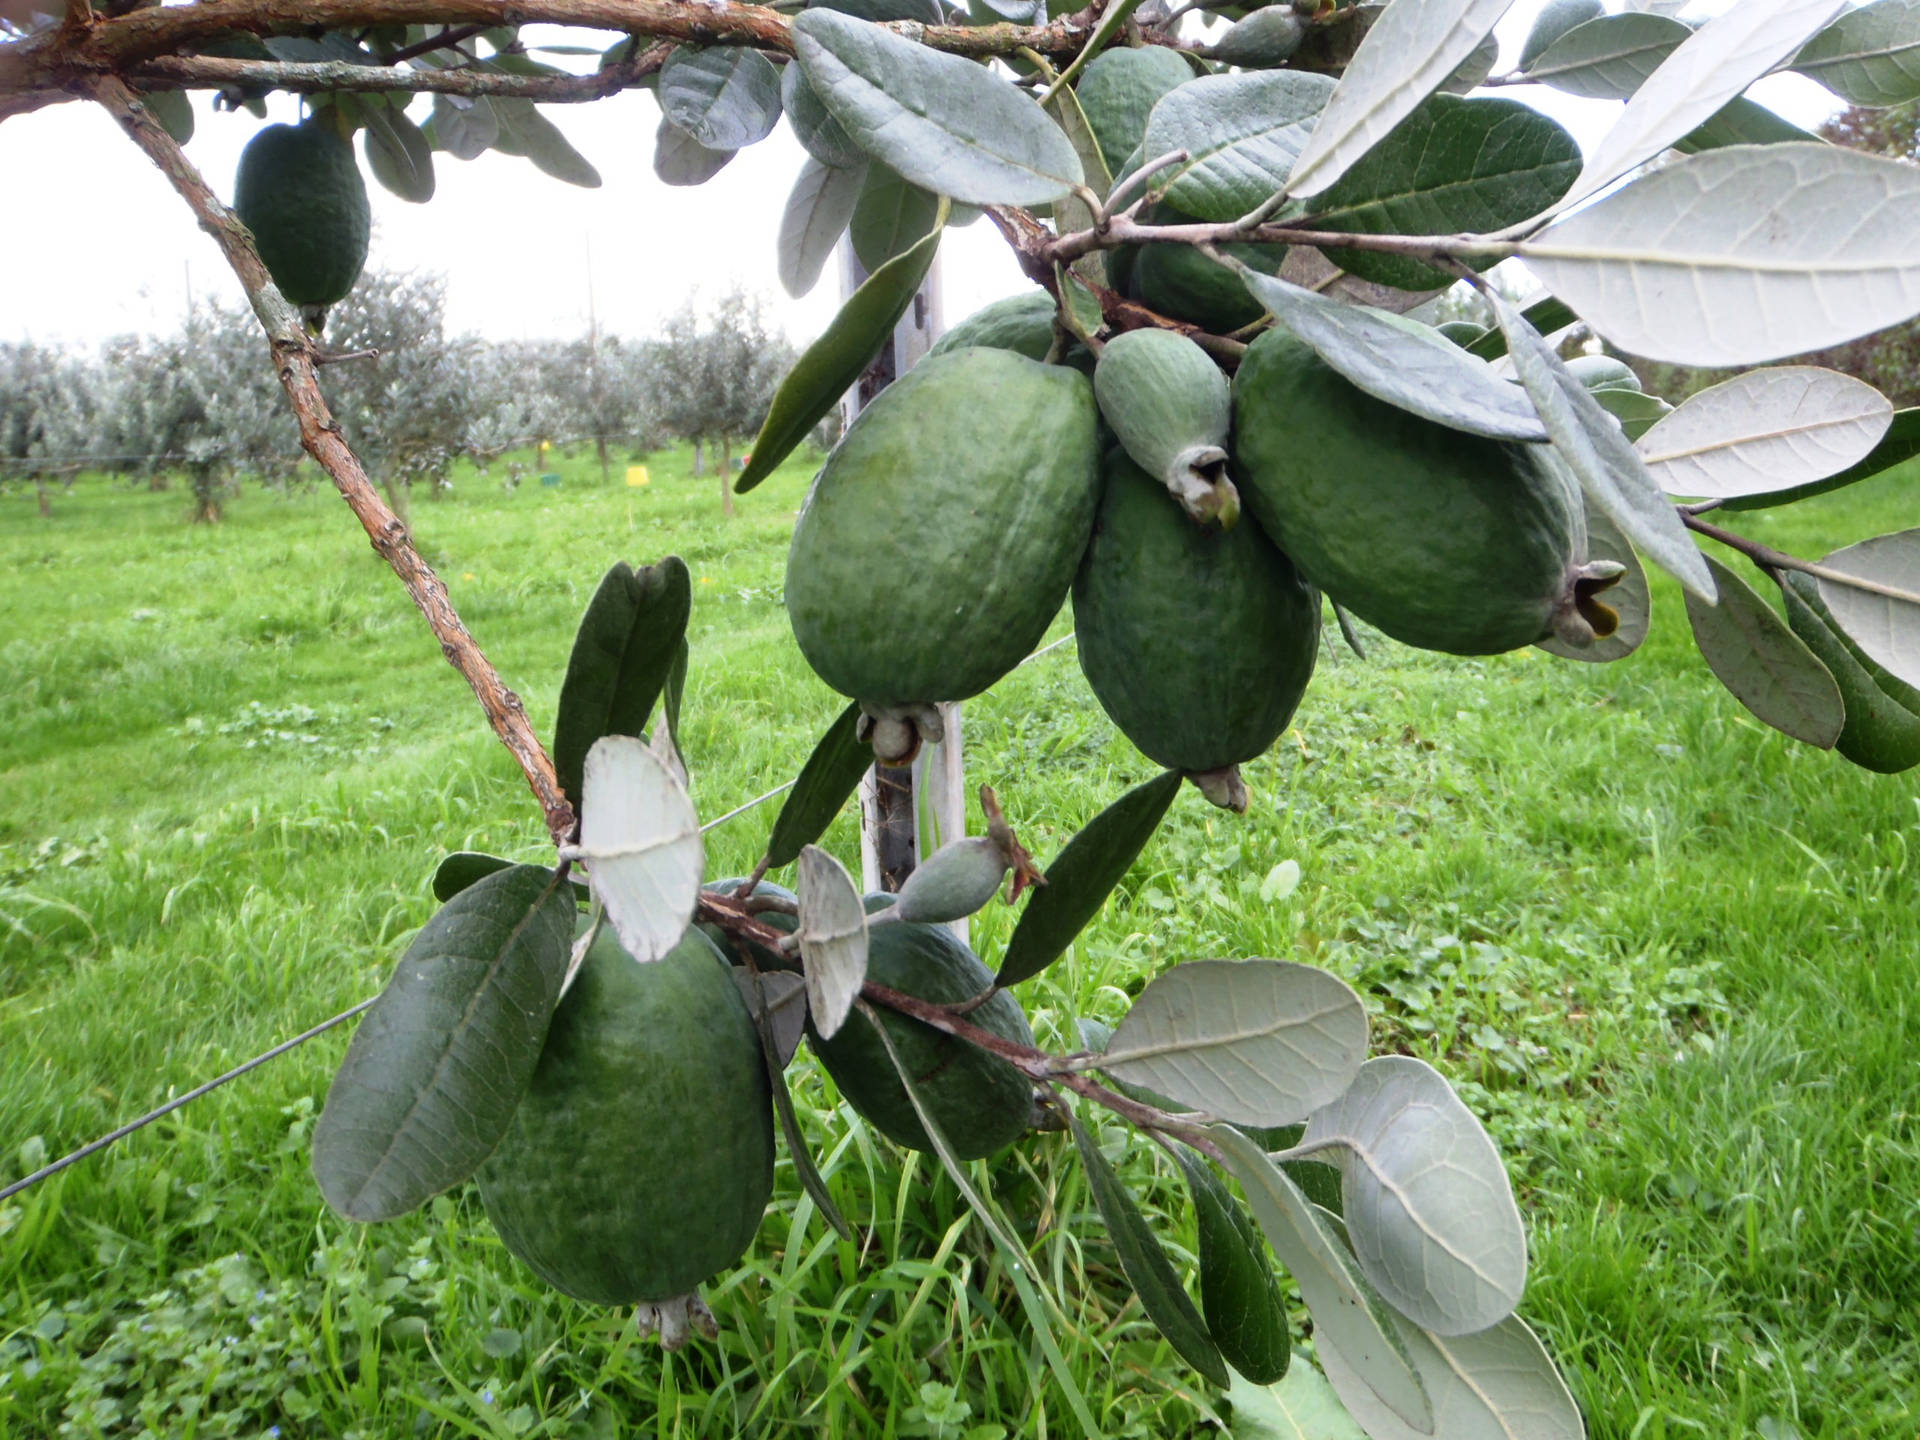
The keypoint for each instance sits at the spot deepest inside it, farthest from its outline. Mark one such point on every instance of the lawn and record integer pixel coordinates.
(1670, 956)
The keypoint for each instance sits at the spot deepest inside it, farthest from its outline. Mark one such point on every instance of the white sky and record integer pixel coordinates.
(98, 244)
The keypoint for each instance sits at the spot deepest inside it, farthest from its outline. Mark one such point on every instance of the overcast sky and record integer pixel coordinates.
(98, 244)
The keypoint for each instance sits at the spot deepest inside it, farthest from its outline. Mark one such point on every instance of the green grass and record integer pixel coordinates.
(1668, 954)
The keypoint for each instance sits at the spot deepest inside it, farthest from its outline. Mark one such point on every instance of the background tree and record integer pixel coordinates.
(714, 373)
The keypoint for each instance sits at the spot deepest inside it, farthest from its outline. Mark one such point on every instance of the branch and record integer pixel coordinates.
(1124, 230)
(1768, 558)
(206, 72)
(320, 435)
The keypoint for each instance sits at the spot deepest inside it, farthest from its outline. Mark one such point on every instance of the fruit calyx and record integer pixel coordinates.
(674, 1320)
(897, 732)
(1581, 618)
(1224, 787)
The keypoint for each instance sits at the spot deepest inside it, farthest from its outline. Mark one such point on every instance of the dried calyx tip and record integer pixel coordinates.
(1019, 863)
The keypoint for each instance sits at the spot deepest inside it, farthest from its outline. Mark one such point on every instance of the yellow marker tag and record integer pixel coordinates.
(637, 475)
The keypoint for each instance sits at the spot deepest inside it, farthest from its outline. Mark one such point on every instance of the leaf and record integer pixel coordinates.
(1497, 1385)
(172, 108)
(1767, 667)
(1611, 472)
(1242, 134)
(890, 217)
(825, 782)
(1347, 1313)
(1766, 430)
(1887, 628)
(399, 155)
(1245, 1313)
(1636, 411)
(1900, 444)
(1258, 1042)
(777, 1001)
(1742, 255)
(1869, 56)
(816, 217)
(1610, 57)
(1708, 69)
(1301, 1407)
(1144, 1262)
(726, 97)
(641, 841)
(437, 1068)
(1743, 122)
(948, 125)
(681, 160)
(537, 138)
(1072, 212)
(833, 362)
(1546, 316)
(465, 131)
(1425, 1195)
(833, 939)
(818, 132)
(464, 869)
(674, 690)
(1401, 361)
(1452, 167)
(1019, 1264)
(1629, 597)
(1411, 51)
(1082, 876)
(626, 646)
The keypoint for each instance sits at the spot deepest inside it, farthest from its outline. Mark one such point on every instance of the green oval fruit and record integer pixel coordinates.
(1265, 38)
(1556, 18)
(1444, 540)
(1882, 732)
(1020, 323)
(981, 1103)
(1603, 372)
(300, 193)
(1172, 411)
(641, 1158)
(942, 533)
(1198, 642)
(1119, 89)
(1178, 281)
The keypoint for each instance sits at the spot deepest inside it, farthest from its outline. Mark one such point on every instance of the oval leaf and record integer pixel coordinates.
(778, 1003)
(464, 869)
(1610, 57)
(1257, 1042)
(1886, 626)
(1612, 474)
(1242, 133)
(826, 782)
(1145, 1263)
(1766, 430)
(1401, 361)
(833, 939)
(679, 159)
(399, 155)
(1347, 1312)
(1497, 1385)
(1767, 667)
(1426, 1198)
(1301, 1407)
(641, 842)
(818, 132)
(1899, 445)
(465, 129)
(624, 651)
(1244, 1310)
(816, 217)
(1411, 51)
(1082, 876)
(438, 1066)
(950, 126)
(533, 135)
(890, 217)
(1742, 122)
(726, 97)
(1629, 597)
(833, 362)
(1869, 56)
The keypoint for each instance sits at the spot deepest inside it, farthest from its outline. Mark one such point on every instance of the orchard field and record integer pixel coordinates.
(1669, 955)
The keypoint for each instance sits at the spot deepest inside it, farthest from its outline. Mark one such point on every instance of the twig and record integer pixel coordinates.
(320, 436)
(1768, 558)
(1117, 201)
(456, 36)
(337, 357)
(323, 77)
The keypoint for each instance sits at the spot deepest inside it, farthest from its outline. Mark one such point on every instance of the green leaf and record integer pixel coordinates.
(1072, 212)
(681, 160)
(1882, 733)
(1256, 1042)
(1348, 1314)
(1869, 56)
(172, 108)
(1427, 1200)
(890, 217)
(1546, 316)
(1400, 361)
(1082, 876)
(1743, 122)
(826, 782)
(1885, 627)
(833, 362)
(1452, 167)
(674, 691)
(1612, 474)
(1636, 411)
(1242, 134)
(946, 124)
(1301, 1407)
(1610, 57)
(726, 97)
(822, 203)
(1900, 444)
(1145, 1263)
(1767, 667)
(626, 646)
(1241, 1299)
(759, 989)
(537, 138)
(465, 131)
(465, 868)
(399, 155)
(437, 1068)
(818, 132)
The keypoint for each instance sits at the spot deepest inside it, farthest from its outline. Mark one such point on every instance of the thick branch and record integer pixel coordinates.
(203, 72)
(320, 435)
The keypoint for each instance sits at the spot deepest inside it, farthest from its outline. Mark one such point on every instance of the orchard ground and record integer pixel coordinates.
(1669, 955)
